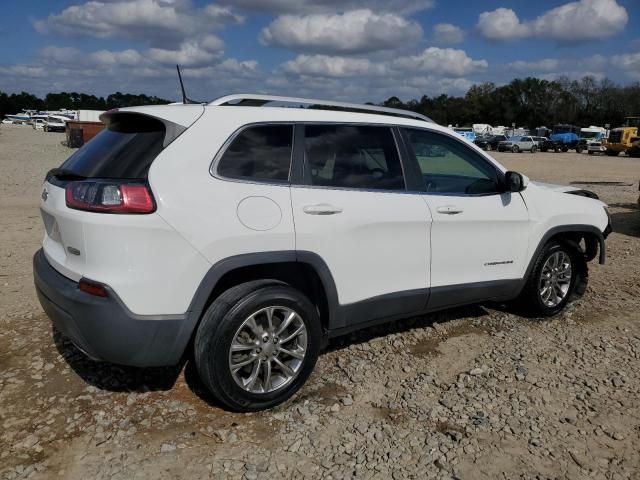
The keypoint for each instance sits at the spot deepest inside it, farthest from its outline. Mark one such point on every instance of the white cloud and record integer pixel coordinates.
(447, 34)
(356, 31)
(572, 22)
(441, 61)
(22, 71)
(629, 63)
(152, 21)
(330, 6)
(328, 66)
(544, 65)
(128, 57)
(501, 24)
(189, 54)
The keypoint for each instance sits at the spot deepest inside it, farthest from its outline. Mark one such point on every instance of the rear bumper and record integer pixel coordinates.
(103, 327)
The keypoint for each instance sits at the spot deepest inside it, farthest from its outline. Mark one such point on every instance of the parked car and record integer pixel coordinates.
(246, 237)
(489, 142)
(518, 144)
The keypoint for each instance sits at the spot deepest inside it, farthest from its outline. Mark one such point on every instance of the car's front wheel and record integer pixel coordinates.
(515, 149)
(257, 344)
(557, 270)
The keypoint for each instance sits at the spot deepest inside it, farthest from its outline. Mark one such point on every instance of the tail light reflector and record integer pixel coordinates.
(105, 196)
(92, 288)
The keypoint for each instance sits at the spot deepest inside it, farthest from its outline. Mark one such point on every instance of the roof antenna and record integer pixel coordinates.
(185, 99)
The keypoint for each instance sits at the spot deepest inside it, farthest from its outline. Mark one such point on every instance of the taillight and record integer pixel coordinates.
(107, 196)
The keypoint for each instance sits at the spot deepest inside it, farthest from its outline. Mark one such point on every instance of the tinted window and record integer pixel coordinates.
(125, 149)
(448, 166)
(259, 153)
(352, 156)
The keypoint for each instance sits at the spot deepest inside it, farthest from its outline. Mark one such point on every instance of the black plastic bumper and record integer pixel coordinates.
(103, 327)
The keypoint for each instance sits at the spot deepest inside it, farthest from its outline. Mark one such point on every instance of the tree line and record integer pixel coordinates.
(527, 102)
(17, 102)
(533, 102)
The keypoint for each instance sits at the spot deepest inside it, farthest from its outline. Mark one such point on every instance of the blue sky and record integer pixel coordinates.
(361, 50)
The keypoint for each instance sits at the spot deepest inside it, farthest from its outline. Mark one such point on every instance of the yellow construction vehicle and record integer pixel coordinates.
(625, 138)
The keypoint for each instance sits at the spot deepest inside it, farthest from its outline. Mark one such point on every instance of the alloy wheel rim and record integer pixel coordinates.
(268, 350)
(555, 279)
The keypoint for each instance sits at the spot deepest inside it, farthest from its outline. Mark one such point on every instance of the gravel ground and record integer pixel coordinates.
(474, 393)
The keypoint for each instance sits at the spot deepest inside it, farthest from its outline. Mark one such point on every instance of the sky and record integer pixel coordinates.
(352, 50)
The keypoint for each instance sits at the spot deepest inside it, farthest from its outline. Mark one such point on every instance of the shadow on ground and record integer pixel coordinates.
(626, 222)
(118, 378)
(115, 378)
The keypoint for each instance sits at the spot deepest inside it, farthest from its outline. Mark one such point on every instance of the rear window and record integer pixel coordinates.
(125, 149)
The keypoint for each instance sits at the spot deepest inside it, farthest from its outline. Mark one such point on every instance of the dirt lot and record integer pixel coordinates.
(471, 393)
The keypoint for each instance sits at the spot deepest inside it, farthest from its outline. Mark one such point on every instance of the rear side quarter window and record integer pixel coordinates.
(259, 153)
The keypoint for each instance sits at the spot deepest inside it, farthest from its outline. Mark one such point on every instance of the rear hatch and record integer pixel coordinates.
(93, 186)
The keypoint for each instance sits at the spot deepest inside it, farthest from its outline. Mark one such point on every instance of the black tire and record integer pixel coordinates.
(612, 153)
(515, 149)
(565, 149)
(578, 149)
(534, 149)
(217, 330)
(530, 297)
(488, 148)
(543, 149)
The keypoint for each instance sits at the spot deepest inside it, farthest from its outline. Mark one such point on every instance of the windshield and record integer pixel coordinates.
(589, 134)
(515, 139)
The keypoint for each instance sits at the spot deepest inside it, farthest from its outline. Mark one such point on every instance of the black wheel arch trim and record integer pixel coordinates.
(578, 228)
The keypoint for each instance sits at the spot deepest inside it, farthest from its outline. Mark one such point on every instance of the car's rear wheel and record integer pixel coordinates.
(257, 344)
(488, 148)
(534, 149)
(515, 149)
(557, 271)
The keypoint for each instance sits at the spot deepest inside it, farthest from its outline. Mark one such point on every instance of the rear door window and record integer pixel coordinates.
(260, 153)
(352, 156)
(125, 149)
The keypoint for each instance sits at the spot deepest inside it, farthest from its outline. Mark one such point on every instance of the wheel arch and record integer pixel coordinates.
(573, 234)
(305, 271)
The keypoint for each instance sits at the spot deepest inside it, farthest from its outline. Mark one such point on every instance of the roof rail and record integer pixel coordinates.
(256, 100)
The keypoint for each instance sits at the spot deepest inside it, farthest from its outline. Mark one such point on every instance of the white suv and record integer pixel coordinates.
(248, 234)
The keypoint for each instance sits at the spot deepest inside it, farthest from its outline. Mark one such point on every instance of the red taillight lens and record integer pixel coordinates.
(110, 197)
(92, 288)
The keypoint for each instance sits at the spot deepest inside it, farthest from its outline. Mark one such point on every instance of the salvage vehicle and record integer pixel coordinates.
(518, 144)
(489, 142)
(625, 138)
(243, 235)
(565, 137)
(465, 132)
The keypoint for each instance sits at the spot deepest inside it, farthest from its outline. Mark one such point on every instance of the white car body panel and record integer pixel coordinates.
(122, 251)
(378, 244)
(381, 243)
(488, 240)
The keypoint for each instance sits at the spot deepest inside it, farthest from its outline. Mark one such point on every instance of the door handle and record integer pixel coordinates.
(321, 209)
(450, 210)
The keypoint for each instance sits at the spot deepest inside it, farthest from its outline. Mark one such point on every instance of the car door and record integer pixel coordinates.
(353, 211)
(479, 235)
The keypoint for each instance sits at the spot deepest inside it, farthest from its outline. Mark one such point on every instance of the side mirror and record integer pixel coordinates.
(515, 182)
